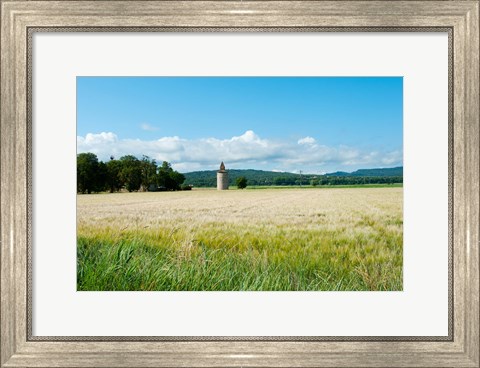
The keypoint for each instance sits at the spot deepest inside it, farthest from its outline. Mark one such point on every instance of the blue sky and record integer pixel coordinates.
(313, 124)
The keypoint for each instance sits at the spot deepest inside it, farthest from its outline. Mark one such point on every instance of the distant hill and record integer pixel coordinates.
(394, 171)
(208, 178)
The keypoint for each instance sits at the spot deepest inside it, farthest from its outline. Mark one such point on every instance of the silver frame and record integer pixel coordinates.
(20, 19)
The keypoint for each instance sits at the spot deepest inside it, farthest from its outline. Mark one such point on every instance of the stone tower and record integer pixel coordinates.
(222, 178)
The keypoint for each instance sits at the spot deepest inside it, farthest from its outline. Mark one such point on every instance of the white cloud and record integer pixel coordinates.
(306, 140)
(148, 127)
(244, 151)
(93, 139)
(392, 157)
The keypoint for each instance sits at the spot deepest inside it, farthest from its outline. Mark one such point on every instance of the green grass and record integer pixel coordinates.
(229, 257)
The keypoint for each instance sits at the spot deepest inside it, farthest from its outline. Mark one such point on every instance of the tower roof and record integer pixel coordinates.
(222, 166)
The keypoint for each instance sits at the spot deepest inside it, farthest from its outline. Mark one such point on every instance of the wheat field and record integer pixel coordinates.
(266, 239)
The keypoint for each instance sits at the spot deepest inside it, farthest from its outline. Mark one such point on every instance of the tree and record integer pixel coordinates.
(163, 177)
(177, 179)
(114, 182)
(131, 172)
(241, 182)
(149, 172)
(169, 178)
(87, 173)
(102, 176)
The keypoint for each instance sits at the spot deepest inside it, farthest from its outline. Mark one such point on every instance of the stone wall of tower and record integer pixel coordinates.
(222, 180)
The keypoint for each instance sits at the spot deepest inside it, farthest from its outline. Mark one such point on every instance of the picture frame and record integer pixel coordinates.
(19, 19)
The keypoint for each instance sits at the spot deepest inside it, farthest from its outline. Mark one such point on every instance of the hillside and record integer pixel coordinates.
(394, 171)
(259, 177)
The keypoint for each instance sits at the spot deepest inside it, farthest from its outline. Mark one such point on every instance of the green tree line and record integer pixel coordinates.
(267, 178)
(128, 173)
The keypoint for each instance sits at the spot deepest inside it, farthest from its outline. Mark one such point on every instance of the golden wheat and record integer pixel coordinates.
(331, 238)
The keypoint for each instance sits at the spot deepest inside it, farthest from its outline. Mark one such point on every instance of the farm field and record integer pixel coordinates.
(270, 240)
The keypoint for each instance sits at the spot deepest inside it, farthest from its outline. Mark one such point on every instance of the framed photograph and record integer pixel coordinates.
(210, 183)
